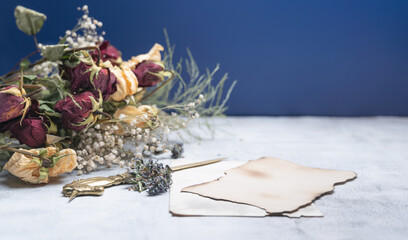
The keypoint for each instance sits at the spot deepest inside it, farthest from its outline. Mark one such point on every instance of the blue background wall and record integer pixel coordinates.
(347, 58)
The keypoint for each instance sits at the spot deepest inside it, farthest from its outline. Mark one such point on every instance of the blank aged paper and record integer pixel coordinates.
(188, 204)
(275, 185)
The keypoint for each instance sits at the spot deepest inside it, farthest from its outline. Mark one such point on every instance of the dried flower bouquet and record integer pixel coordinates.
(78, 105)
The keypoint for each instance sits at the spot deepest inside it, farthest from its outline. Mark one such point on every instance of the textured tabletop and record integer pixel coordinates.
(373, 206)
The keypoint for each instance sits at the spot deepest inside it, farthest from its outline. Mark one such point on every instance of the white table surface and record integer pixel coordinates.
(373, 206)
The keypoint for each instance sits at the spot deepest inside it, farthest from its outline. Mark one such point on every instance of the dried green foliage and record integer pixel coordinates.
(4, 154)
(180, 91)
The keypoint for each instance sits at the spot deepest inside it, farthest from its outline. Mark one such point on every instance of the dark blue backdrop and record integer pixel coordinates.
(347, 58)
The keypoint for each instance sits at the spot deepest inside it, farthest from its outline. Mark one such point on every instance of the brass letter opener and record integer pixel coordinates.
(96, 185)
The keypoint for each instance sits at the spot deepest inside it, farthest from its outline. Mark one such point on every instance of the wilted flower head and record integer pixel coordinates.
(67, 163)
(30, 170)
(141, 116)
(152, 55)
(77, 110)
(12, 103)
(148, 73)
(86, 77)
(108, 52)
(31, 130)
(127, 83)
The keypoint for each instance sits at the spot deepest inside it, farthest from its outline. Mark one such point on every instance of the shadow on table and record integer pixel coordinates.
(334, 189)
(11, 181)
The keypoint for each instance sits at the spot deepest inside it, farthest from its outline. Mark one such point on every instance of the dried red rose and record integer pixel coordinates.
(31, 131)
(148, 73)
(12, 103)
(80, 78)
(108, 52)
(77, 111)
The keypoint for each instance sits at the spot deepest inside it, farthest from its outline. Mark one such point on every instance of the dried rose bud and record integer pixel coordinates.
(148, 73)
(108, 52)
(31, 131)
(26, 169)
(82, 79)
(77, 111)
(12, 103)
(127, 83)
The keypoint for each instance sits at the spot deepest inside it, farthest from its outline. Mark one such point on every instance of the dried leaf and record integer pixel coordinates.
(52, 139)
(53, 52)
(29, 21)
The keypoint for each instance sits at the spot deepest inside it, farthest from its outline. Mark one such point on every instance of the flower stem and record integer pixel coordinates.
(89, 48)
(11, 73)
(104, 114)
(36, 42)
(155, 90)
(25, 152)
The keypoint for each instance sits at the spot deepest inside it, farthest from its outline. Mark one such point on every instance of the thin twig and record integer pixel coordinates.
(17, 71)
(33, 92)
(24, 58)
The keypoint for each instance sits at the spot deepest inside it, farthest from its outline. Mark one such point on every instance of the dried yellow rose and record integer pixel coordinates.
(65, 164)
(141, 115)
(126, 83)
(26, 169)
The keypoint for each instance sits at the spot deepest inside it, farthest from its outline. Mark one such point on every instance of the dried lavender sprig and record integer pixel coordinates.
(150, 176)
(177, 151)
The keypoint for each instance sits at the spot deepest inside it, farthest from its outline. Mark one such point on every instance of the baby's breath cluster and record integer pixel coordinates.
(99, 147)
(46, 69)
(190, 108)
(85, 33)
(120, 144)
(182, 114)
